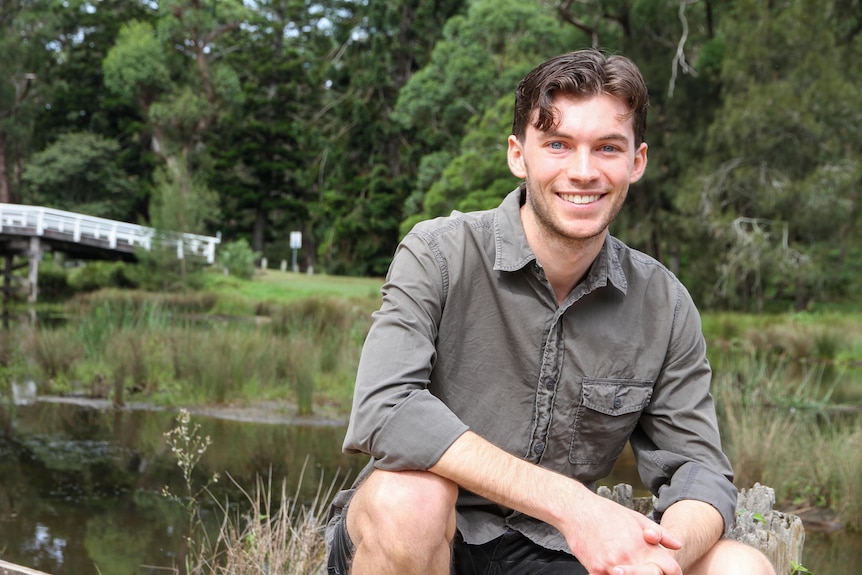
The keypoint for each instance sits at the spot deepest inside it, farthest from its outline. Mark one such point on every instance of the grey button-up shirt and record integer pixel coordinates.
(471, 336)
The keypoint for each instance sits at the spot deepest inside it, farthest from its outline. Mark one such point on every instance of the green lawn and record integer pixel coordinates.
(273, 286)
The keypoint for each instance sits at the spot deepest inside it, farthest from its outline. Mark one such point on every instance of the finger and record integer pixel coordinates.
(662, 566)
(658, 536)
(648, 569)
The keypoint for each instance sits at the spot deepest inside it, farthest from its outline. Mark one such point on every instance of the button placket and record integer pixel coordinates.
(546, 389)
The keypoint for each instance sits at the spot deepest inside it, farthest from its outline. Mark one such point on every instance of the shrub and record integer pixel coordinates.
(237, 258)
(53, 282)
(100, 275)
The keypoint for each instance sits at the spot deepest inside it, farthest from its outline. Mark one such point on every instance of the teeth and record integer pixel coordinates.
(579, 199)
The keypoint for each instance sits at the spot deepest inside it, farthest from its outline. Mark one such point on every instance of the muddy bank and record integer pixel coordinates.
(272, 412)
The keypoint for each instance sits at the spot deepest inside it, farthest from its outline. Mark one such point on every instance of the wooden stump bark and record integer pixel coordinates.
(780, 536)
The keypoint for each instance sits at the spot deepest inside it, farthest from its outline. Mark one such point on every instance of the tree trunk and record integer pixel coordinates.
(780, 536)
(5, 194)
(258, 234)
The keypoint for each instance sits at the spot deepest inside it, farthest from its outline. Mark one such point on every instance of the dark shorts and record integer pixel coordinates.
(339, 547)
(510, 554)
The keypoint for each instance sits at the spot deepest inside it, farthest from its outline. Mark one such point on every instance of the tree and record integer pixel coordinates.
(782, 161)
(265, 155)
(457, 109)
(81, 167)
(175, 74)
(364, 173)
(76, 100)
(26, 31)
(677, 48)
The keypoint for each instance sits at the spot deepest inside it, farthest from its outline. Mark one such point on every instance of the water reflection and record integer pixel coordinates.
(80, 488)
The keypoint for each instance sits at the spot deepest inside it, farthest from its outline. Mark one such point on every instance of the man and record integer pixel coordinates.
(515, 353)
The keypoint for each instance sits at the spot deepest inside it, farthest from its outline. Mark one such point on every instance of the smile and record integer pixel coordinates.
(580, 199)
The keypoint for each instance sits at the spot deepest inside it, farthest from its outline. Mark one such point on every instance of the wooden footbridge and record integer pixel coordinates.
(30, 231)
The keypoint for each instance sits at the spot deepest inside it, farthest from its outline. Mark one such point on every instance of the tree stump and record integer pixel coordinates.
(780, 536)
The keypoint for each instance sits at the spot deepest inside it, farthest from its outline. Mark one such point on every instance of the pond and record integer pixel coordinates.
(81, 487)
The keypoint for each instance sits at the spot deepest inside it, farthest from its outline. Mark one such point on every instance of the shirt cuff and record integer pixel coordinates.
(416, 433)
(694, 481)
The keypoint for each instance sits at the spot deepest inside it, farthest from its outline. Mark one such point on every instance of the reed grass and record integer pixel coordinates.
(815, 337)
(54, 354)
(780, 382)
(849, 475)
(137, 344)
(272, 535)
(780, 429)
(784, 389)
(269, 532)
(301, 365)
(13, 368)
(133, 301)
(127, 364)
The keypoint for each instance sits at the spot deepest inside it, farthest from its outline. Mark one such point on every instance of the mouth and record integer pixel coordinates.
(580, 199)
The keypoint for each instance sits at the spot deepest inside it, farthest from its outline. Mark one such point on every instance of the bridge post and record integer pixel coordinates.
(34, 256)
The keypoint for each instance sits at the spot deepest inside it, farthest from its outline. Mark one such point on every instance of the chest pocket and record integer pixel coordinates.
(605, 418)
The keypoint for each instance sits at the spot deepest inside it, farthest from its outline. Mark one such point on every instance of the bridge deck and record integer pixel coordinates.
(85, 235)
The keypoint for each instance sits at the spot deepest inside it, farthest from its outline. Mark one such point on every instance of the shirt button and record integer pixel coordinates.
(549, 383)
(617, 403)
(538, 447)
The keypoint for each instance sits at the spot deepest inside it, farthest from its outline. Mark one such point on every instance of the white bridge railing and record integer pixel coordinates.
(25, 220)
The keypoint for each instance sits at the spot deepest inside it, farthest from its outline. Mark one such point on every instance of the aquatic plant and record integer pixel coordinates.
(271, 532)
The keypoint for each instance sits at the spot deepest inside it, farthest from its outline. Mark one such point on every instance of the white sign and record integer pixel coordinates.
(295, 240)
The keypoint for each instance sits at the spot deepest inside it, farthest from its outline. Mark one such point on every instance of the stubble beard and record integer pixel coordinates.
(551, 230)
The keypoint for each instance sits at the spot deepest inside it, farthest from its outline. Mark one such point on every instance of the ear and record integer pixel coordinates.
(640, 163)
(515, 155)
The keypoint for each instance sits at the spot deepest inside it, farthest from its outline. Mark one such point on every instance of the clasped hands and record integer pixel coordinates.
(653, 536)
(652, 556)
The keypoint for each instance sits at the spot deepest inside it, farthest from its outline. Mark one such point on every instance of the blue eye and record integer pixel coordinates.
(556, 145)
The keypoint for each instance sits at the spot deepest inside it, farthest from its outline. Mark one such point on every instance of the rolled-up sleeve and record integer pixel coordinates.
(677, 444)
(394, 418)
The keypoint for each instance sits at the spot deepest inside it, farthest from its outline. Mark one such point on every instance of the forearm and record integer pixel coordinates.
(482, 468)
(600, 533)
(697, 524)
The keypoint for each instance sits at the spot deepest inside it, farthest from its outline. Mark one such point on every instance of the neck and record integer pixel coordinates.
(564, 260)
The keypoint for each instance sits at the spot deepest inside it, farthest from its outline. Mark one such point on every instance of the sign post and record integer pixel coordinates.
(295, 245)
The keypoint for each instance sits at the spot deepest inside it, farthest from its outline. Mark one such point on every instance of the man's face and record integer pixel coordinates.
(578, 173)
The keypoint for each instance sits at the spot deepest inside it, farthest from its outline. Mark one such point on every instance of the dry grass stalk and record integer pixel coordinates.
(287, 540)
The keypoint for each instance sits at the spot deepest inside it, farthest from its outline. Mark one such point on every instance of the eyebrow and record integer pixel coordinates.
(611, 136)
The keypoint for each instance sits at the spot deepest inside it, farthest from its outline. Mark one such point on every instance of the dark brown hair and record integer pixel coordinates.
(579, 74)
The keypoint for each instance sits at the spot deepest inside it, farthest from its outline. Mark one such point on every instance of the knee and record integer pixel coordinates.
(755, 562)
(728, 556)
(413, 505)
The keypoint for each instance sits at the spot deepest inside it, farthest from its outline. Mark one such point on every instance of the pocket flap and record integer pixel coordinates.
(616, 396)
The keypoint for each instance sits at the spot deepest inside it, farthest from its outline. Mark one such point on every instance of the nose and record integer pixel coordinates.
(580, 166)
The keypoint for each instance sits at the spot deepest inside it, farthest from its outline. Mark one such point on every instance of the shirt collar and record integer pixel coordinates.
(513, 251)
(607, 267)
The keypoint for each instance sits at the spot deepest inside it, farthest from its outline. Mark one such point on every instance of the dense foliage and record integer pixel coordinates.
(350, 120)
